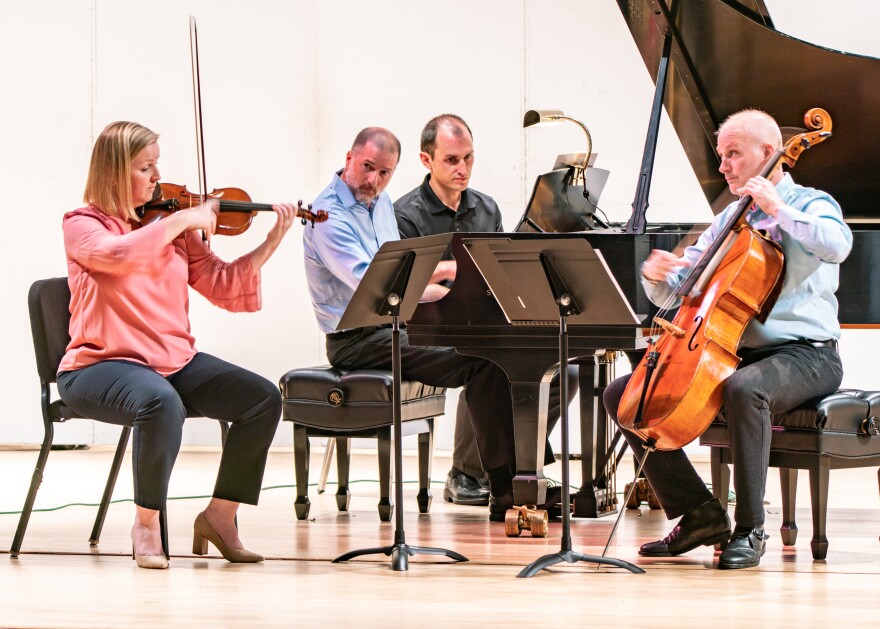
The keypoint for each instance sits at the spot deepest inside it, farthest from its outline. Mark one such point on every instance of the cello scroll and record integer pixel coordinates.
(816, 119)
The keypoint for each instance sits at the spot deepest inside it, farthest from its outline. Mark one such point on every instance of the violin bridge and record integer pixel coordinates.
(673, 329)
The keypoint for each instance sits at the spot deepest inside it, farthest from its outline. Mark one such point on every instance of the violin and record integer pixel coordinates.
(237, 211)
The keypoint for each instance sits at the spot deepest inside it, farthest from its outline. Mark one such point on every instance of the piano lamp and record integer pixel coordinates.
(553, 116)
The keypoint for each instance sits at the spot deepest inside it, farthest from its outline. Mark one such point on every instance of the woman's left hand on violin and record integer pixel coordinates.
(285, 215)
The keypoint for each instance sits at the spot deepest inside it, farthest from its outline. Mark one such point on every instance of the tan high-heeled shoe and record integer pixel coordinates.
(203, 533)
(155, 562)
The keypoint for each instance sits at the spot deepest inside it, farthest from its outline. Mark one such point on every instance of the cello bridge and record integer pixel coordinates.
(671, 328)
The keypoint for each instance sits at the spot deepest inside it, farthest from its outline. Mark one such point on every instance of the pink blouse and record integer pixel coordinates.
(129, 293)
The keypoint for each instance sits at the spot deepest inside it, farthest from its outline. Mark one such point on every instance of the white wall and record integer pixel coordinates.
(286, 84)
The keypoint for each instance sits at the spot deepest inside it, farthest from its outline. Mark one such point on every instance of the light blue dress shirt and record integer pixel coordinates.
(338, 251)
(814, 239)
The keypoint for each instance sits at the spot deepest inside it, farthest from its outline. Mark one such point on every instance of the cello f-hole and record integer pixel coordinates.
(692, 346)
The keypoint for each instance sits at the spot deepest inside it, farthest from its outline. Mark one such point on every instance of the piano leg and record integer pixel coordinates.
(530, 389)
(530, 394)
(530, 402)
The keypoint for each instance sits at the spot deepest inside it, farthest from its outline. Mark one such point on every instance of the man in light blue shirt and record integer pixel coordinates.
(337, 254)
(786, 360)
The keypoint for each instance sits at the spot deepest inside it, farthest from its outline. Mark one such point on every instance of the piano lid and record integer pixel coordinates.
(726, 56)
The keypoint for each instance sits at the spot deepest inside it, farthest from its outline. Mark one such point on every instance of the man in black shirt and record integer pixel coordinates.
(444, 203)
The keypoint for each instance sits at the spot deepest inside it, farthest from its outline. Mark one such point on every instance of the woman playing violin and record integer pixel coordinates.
(132, 360)
(787, 359)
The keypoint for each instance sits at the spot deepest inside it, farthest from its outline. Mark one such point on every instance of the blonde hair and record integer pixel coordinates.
(758, 125)
(108, 186)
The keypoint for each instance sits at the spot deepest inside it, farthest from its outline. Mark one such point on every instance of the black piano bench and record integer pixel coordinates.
(838, 431)
(329, 402)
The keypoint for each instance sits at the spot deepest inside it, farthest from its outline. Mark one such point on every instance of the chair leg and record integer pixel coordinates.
(108, 488)
(36, 481)
(329, 448)
(788, 482)
(426, 453)
(820, 475)
(386, 506)
(720, 477)
(343, 461)
(720, 481)
(301, 464)
(163, 532)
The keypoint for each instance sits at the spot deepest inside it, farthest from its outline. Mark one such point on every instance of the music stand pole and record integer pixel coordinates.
(567, 306)
(399, 551)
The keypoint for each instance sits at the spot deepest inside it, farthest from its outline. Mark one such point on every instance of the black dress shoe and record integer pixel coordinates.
(706, 525)
(744, 549)
(465, 490)
(498, 505)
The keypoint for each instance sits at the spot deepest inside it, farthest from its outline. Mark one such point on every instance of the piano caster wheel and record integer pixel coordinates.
(643, 493)
(538, 522)
(634, 501)
(518, 518)
(513, 523)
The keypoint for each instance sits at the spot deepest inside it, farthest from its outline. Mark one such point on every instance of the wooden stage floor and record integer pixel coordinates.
(60, 582)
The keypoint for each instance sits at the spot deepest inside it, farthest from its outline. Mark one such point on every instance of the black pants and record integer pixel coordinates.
(488, 390)
(129, 394)
(768, 381)
(465, 457)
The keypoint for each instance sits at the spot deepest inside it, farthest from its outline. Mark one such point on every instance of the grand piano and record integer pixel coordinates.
(687, 48)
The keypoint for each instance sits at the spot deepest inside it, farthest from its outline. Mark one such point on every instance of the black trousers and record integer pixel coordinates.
(488, 390)
(768, 381)
(130, 394)
(465, 457)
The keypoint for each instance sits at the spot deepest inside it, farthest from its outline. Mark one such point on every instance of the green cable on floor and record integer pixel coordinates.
(731, 496)
(121, 500)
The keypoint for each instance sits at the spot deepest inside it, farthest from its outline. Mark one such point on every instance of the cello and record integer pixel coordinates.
(676, 390)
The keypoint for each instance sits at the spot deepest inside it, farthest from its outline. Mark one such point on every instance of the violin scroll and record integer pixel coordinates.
(308, 216)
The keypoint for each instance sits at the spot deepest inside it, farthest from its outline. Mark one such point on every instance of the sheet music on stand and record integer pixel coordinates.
(514, 272)
(364, 308)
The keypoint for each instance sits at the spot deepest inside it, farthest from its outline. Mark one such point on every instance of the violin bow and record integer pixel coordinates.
(197, 106)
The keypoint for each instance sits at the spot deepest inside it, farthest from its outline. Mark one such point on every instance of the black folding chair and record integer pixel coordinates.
(49, 306)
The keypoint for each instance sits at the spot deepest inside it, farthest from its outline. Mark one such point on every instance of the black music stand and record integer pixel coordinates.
(391, 289)
(554, 282)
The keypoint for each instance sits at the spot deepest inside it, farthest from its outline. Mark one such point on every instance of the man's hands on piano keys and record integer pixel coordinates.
(433, 292)
(445, 272)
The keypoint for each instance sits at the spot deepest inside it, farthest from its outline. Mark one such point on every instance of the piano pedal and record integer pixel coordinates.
(518, 519)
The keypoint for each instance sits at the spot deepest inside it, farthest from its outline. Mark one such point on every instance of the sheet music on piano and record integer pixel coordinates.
(558, 204)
